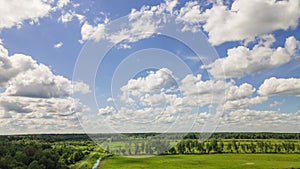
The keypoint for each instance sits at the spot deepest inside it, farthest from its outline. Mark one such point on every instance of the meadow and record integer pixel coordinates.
(211, 161)
(221, 151)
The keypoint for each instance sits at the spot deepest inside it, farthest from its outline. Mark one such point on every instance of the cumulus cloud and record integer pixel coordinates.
(26, 105)
(149, 100)
(11, 66)
(237, 92)
(35, 98)
(90, 32)
(190, 15)
(4, 114)
(142, 23)
(106, 111)
(146, 21)
(151, 90)
(110, 99)
(58, 45)
(244, 103)
(154, 82)
(157, 99)
(41, 82)
(248, 19)
(62, 3)
(254, 120)
(9, 105)
(68, 17)
(13, 13)
(28, 78)
(223, 21)
(197, 92)
(280, 86)
(242, 60)
(34, 115)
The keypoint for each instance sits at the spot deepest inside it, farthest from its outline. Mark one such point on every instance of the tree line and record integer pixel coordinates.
(246, 135)
(211, 146)
(218, 143)
(190, 146)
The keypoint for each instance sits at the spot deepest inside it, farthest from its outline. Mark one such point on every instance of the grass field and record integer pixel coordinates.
(211, 161)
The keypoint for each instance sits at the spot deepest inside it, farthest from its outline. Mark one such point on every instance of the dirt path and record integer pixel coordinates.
(88, 158)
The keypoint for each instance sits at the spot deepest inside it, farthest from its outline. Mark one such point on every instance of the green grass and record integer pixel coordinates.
(211, 161)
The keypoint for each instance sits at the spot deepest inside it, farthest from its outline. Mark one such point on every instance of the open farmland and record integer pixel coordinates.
(211, 161)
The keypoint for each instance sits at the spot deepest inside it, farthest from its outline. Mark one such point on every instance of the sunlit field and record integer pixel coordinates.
(211, 161)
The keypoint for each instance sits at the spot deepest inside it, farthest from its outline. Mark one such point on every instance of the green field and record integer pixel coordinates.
(211, 161)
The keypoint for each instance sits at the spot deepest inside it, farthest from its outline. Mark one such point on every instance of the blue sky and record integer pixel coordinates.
(234, 61)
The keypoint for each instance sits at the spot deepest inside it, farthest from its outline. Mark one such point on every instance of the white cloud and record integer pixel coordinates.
(254, 120)
(237, 92)
(244, 103)
(144, 23)
(76, 5)
(108, 110)
(154, 82)
(13, 13)
(11, 66)
(110, 99)
(58, 45)
(247, 19)
(148, 100)
(4, 114)
(125, 46)
(34, 99)
(62, 3)
(193, 85)
(23, 76)
(275, 86)
(89, 32)
(68, 17)
(26, 105)
(197, 92)
(223, 22)
(190, 15)
(170, 5)
(242, 60)
(266, 40)
(161, 99)
(41, 82)
(150, 90)
(34, 115)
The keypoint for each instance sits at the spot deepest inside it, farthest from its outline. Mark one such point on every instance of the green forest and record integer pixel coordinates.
(46, 151)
